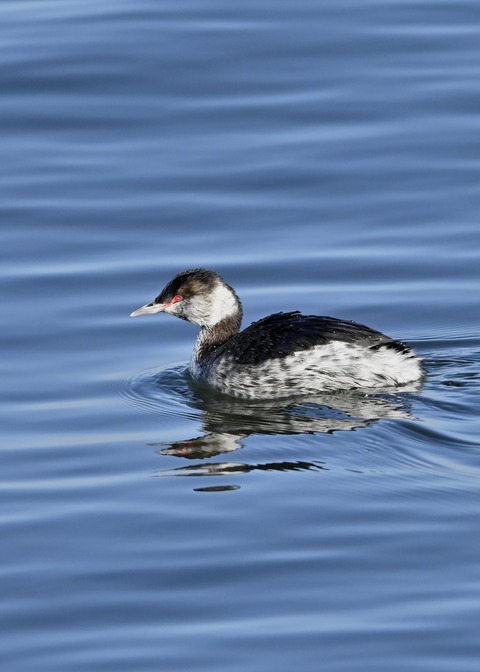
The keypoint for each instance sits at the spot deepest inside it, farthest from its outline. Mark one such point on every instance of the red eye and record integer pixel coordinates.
(175, 299)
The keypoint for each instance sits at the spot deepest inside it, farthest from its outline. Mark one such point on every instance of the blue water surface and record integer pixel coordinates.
(322, 156)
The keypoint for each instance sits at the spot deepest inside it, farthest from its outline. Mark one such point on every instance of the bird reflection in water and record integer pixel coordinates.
(226, 422)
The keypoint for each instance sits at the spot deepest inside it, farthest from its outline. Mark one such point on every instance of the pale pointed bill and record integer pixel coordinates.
(149, 309)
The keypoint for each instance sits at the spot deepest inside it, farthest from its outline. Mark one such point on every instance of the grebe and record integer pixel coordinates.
(282, 355)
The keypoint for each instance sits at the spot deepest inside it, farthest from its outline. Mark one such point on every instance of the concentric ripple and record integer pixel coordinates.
(160, 390)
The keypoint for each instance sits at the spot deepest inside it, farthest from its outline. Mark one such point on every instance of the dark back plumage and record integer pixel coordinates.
(282, 334)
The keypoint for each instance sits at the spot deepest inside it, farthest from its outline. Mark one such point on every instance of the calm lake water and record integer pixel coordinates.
(322, 156)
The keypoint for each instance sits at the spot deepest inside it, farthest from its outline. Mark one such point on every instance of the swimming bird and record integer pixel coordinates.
(284, 354)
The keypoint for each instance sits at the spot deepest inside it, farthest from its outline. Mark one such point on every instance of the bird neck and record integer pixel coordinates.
(212, 337)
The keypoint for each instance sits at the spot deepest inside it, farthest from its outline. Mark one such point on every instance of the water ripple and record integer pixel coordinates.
(159, 390)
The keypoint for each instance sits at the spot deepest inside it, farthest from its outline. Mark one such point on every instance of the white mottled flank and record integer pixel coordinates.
(334, 366)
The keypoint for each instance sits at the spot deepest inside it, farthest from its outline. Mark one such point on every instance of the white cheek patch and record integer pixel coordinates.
(222, 304)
